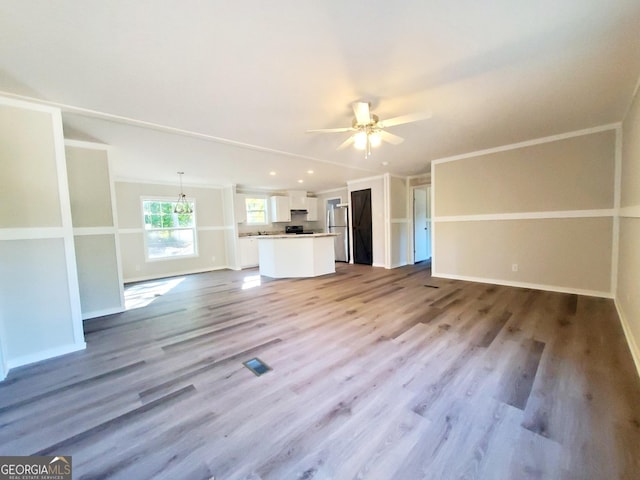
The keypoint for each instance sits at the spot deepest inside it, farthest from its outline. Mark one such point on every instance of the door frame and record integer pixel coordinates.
(414, 232)
(411, 209)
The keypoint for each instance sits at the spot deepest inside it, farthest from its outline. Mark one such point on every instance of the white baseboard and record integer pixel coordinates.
(398, 265)
(631, 341)
(173, 274)
(102, 313)
(534, 286)
(44, 355)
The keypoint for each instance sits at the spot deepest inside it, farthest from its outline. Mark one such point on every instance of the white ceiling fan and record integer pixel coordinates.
(368, 130)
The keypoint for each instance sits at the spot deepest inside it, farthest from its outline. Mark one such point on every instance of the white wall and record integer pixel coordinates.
(95, 229)
(399, 221)
(546, 206)
(231, 227)
(40, 313)
(418, 180)
(627, 293)
(212, 230)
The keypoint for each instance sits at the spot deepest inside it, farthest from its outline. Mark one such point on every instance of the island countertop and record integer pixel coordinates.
(310, 255)
(295, 235)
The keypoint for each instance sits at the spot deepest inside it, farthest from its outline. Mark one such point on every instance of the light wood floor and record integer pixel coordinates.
(377, 374)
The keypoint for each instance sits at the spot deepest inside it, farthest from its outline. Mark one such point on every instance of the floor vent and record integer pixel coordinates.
(432, 286)
(257, 366)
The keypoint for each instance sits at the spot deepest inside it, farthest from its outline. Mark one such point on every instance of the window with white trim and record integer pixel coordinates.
(256, 208)
(168, 234)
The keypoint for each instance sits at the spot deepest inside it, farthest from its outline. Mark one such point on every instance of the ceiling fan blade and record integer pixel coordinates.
(363, 115)
(346, 143)
(390, 138)
(411, 117)
(330, 130)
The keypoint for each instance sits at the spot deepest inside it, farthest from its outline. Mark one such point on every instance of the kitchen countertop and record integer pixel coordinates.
(294, 235)
(243, 235)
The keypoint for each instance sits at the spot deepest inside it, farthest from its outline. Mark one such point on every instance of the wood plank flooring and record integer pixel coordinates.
(377, 374)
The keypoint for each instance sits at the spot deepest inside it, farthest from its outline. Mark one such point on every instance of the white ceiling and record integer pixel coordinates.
(240, 82)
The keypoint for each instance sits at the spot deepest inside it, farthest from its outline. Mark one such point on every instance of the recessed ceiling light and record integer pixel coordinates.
(310, 172)
(385, 163)
(300, 181)
(272, 173)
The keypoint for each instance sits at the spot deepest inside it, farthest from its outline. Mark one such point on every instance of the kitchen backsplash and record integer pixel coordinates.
(296, 219)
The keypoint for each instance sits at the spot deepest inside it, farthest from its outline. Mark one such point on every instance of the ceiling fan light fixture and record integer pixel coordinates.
(368, 131)
(374, 139)
(360, 140)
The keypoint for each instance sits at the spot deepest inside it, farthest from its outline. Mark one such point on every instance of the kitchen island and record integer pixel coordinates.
(295, 256)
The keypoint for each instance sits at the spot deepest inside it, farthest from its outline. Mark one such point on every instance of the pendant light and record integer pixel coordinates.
(182, 206)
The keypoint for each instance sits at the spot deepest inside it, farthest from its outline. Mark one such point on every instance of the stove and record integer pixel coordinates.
(296, 229)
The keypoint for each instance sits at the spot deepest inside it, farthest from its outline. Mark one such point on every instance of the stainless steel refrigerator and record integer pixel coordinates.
(337, 222)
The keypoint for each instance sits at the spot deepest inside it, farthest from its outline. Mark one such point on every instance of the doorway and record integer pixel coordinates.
(362, 227)
(421, 224)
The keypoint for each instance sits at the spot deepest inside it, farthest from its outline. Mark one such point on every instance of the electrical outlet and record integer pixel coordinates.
(514, 267)
(137, 268)
(213, 259)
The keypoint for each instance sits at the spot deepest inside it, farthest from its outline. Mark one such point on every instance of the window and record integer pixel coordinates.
(256, 210)
(168, 234)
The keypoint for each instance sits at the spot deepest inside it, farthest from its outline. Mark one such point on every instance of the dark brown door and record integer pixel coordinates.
(362, 233)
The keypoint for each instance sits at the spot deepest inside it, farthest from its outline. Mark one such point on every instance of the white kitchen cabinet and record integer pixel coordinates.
(248, 252)
(240, 209)
(280, 209)
(297, 256)
(298, 199)
(312, 209)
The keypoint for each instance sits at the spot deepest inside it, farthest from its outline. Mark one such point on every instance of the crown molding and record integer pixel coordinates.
(529, 143)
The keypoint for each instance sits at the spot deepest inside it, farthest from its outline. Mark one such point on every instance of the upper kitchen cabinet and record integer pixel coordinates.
(312, 209)
(298, 199)
(280, 209)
